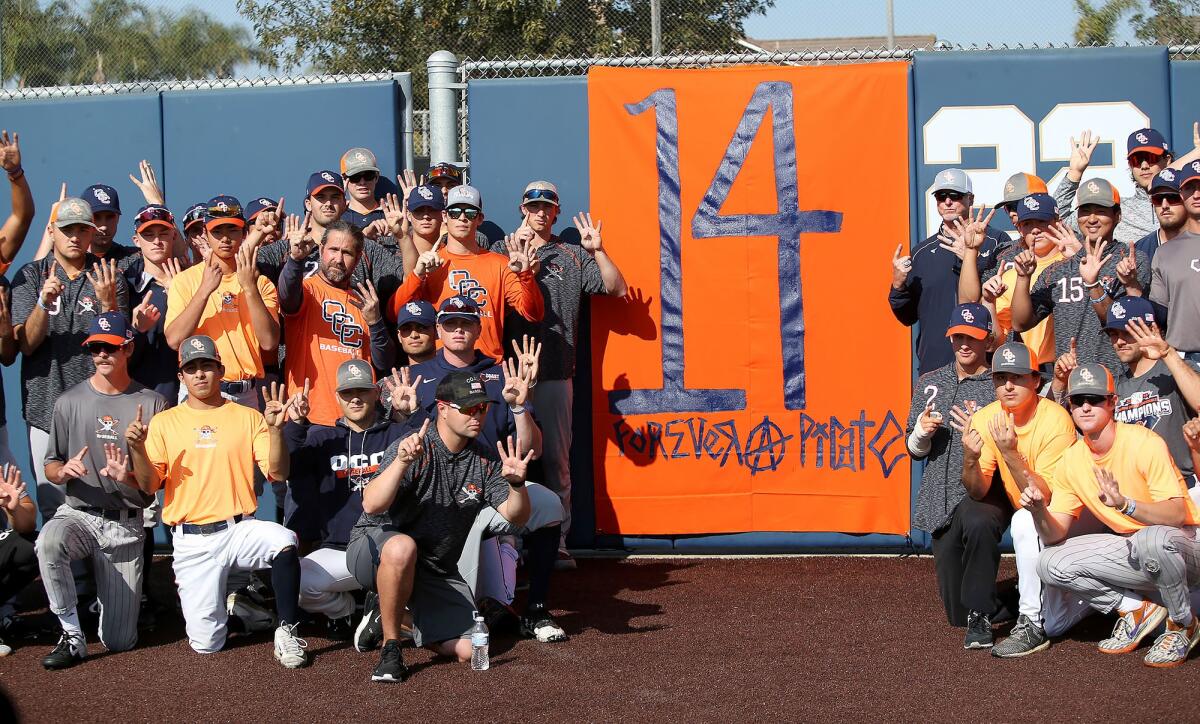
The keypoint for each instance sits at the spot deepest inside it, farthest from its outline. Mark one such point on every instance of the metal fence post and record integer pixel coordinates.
(443, 106)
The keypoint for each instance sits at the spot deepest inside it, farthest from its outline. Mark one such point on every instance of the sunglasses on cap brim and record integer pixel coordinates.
(443, 173)
(540, 195)
(151, 215)
(224, 211)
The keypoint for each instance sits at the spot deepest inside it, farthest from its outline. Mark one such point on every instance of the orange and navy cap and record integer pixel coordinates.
(1091, 379)
(259, 205)
(1097, 192)
(1147, 139)
(972, 320)
(153, 215)
(223, 210)
(323, 180)
(193, 215)
(1037, 207)
(1189, 174)
(1020, 185)
(109, 327)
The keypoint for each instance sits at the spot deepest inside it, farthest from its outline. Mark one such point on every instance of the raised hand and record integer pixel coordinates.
(148, 183)
(514, 462)
(211, 278)
(520, 254)
(429, 260)
(171, 268)
(402, 391)
(135, 434)
(116, 462)
(1149, 338)
(589, 235)
(393, 214)
(901, 266)
(11, 487)
(1110, 493)
(299, 407)
(993, 289)
(103, 279)
(975, 229)
(247, 265)
(74, 467)
(412, 447)
(1093, 260)
(268, 220)
(368, 302)
(146, 315)
(276, 405)
(407, 181)
(960, 419)
(1004, 431)
(528, 353)
(1081, 153)
(300, 245)
(950, 238)
(375, 229)
(516, 384)
(1025, 264)
(929, 421)
(1127, 270)
(1065, 364)
(1191, 434)
(1065, 238)
(10, 152)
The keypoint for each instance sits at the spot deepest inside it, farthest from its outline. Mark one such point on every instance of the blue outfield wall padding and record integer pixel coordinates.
(253, 142)
(1185, 105)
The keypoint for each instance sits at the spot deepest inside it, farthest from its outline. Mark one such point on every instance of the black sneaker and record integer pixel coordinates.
(1025, 638)
(500, 619)
(340, 629)
(391, 666)
(370, 629)
(979, 631)
(537, 623)
(69, 651)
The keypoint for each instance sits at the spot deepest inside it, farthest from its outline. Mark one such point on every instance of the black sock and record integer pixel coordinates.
(285, 579)
(541, 552)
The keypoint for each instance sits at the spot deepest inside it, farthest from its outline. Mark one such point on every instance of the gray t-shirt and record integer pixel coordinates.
(1153, 400)
(59, 362)
(438, 498)
(1176, 285)
(83, 416)
(567, 273)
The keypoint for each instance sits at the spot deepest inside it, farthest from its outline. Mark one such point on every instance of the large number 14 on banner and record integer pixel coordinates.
(755, 379)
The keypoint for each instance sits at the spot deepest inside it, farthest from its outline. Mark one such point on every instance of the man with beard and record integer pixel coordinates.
(1168, 207)
(106, 213)
(328, 321)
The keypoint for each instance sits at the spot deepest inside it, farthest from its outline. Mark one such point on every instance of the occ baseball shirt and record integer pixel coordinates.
(1153, 400)
(1040, 441)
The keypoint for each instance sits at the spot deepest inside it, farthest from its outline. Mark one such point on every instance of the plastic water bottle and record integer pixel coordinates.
(479, 644)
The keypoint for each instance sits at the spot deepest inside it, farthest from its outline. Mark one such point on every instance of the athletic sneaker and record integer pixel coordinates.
(289, 648)
(71, 649)
(537, 623)
(370, 629)
(1132, 627)
(5, 649)
(1173, 647)
(565, 562)
(340, 628)
(391, 666)
(979, 631)
(1025, 638)
(254, 616)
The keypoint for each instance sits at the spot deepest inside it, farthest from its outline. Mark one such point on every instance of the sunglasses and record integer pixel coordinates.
(1137, 159)
(458, 213)
(473, 410)
(364, 177)
(225, 211)
(1093, 400)
(445, 172)
(98, 347)
(154, 215)
(540, 195)
(194, 216)
(942, 196)
(1170, 198)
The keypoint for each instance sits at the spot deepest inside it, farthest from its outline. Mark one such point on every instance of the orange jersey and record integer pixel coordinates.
(205, 460)
(485, 278)
(327, 330)
(1041, 338)
(226, 319)
(1041, 441)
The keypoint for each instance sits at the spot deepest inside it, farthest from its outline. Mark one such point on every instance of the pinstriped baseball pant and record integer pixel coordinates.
(115, 548)
(1102, 566)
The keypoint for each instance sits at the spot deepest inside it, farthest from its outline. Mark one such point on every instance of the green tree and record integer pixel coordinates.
(1169, 22)
(1097, 25)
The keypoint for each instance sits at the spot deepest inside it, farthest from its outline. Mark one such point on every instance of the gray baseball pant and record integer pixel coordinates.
(1102, 566)
(553, 401)
(545, 509)
(115, 548)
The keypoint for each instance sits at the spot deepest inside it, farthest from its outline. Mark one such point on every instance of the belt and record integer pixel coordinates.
(206, 528)
(117, 514)
(237, 388)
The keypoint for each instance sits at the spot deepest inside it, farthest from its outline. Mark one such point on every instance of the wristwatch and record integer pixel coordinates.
(517, 409)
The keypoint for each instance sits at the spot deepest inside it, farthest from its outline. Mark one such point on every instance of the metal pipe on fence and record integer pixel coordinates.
(656, 27)
(443, 106)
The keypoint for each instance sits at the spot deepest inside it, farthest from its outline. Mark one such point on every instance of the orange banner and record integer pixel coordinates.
(754, 379)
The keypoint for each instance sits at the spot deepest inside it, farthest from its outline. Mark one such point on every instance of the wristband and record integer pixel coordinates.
(517, 409)
(517, 485)
(42, 304)
(1093, 285)
(1098, 299)
(14, 175)
(1130, 507)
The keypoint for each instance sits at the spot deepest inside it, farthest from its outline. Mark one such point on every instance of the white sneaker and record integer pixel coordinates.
(289, 648)
(254, 616)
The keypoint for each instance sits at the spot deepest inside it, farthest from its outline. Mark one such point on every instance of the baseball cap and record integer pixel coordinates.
(1127, 308)
(952, 179)
(419, 311)
(1165, 180)
(109, 327)
(422, 197)
(1020, 185)
(193, 215)
(357, 160)
(1146, 139)
(458, 307)
(465, 389)
(464, 195)
(1098, 192)
(72, 210)
(198, 347)
(153, 215)
(540, 191)
(355, 374)
(321, 180)
(972, 320)
(1091, 379)
(222, 210)
(259, 205)
(443, 171)
(1015, 358)
(1038, 207)
(1188, 173)
(102, 198)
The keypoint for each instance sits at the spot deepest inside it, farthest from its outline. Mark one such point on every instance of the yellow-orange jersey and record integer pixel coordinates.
(1041, 441)
(1041, 338)
(226, 319)
(1142, 466)
(328, 329)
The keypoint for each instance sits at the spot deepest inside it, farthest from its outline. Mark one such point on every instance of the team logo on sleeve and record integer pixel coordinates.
(468, 493)
(341, 324)
(106, 427)
(206, 436)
